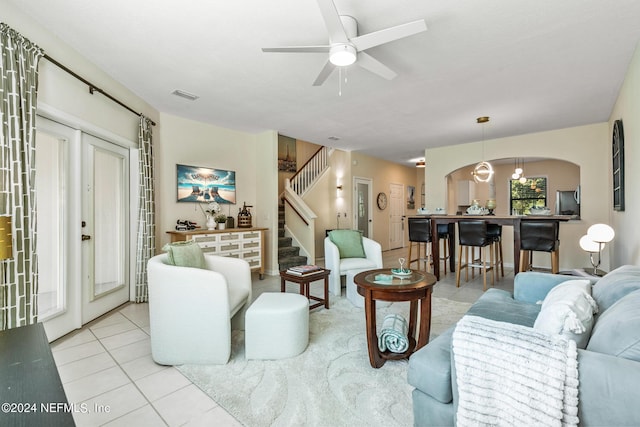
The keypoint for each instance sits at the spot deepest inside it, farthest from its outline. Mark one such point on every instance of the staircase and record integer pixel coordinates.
(296, 187)
(288, 255)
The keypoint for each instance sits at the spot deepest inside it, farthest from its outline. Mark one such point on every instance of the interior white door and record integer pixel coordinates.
(105, 226)
(396, 216)
(362, 204)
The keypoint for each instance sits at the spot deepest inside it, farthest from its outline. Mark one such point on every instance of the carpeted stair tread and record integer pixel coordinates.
(284, 241)
(288, 255)
(288, 251)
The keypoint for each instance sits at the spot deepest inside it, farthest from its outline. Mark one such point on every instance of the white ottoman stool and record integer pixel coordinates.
(276, 326)
(352, 291)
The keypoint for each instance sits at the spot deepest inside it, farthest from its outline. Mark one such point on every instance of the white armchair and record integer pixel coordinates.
(191, 309)
(340, 267)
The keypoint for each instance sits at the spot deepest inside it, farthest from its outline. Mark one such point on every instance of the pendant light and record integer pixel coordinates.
(483, 172)
(522, 179)
(516, 174)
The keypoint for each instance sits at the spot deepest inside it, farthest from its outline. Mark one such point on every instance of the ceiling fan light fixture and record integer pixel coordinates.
(342, 54)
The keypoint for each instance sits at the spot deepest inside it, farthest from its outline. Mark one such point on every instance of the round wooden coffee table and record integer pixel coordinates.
(415, 288)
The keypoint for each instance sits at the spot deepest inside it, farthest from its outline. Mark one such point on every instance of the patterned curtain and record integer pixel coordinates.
(18, 92)
(146, 242)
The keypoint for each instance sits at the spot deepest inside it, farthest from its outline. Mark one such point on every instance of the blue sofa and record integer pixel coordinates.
(609, 366)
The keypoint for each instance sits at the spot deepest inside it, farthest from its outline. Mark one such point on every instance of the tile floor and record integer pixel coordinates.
(107, 365)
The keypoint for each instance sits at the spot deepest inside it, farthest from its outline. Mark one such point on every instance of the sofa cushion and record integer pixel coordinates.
(499, 305)
(617, 330)
(616, 285)
(430, 368)
(568, 310)
(349, 243)
(185, 254)
(348, 264)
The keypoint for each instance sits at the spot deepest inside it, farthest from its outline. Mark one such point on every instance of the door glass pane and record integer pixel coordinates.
(363, 203)
(50, 196)
(109, 221)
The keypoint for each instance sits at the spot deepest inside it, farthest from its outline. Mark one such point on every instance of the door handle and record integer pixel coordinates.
(86, 237)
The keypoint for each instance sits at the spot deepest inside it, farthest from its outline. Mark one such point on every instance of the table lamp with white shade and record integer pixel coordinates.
(594, 241)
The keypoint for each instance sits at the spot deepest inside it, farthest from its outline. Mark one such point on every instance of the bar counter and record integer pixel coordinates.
(507, 220)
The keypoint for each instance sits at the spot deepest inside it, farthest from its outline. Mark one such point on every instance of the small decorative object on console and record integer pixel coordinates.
(244, 216)
(186, 225)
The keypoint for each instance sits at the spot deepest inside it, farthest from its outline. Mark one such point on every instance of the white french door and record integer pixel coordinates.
(82, 192)
(105, 226)
(59, 287)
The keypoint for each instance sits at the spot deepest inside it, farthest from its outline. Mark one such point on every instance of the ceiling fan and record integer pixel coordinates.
(346, 47)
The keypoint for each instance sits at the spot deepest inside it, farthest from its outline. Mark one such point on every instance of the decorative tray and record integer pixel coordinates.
(401, 272)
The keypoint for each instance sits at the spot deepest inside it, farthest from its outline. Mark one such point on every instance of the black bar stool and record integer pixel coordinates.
(420, 234)
(473, 234)
(494, 231)
(540, 236)
(445, 237)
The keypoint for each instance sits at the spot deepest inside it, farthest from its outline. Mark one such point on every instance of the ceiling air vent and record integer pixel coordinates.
(185, 95)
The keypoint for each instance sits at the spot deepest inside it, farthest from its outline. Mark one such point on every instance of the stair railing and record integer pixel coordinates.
(304, 178)
(299, 217)
(299, 222)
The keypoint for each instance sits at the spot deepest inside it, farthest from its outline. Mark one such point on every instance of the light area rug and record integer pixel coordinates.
(330, 384)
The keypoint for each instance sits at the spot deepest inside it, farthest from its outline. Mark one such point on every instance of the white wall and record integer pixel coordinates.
(586, 146)
(626, 246)
(252, 156)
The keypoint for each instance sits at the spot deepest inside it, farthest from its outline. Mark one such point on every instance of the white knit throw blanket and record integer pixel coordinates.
(510, 375)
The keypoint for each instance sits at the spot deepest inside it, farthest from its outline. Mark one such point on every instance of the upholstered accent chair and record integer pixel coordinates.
(193, 310)
(346, 250)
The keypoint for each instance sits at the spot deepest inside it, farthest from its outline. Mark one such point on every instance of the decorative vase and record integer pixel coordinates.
(491, 205)
(211, 223)
(222, 225)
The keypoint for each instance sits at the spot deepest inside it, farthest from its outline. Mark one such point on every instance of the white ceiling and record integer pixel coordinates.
(530, 65)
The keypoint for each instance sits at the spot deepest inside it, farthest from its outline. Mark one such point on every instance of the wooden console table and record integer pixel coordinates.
(31, 393)
(243, 243)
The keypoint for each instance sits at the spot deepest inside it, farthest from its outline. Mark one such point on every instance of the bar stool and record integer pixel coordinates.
(539, 236)
(473, 234)
(494, 231)
(445, 237)
(420, 234)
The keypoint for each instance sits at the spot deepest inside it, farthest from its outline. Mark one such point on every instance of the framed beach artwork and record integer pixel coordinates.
(204, 185)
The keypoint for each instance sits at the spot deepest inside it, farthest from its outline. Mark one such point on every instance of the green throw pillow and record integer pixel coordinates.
(185, 254)
(349, 243)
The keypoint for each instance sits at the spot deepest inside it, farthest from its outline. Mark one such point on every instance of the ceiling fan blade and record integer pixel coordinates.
(369, 63)
(332, 21)
(297, 49)
(387, 35)
(324, 74)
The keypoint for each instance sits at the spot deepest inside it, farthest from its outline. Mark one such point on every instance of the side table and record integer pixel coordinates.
(416, 288)
(304, 282)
